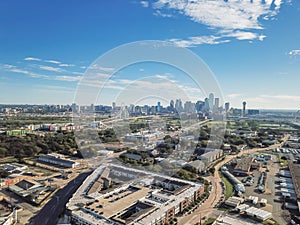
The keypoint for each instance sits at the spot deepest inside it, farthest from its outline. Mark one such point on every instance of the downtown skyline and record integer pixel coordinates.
(253, 52)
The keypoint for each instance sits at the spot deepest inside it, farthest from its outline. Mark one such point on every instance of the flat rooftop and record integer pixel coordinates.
(295, 172)
(116, 203)
(244, 164)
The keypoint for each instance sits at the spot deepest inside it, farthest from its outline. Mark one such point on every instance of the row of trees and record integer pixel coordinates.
(31, 144)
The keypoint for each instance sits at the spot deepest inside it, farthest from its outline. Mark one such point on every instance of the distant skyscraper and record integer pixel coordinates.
(92, 108)
(189, 107)
(158, 106)
(74, 108)
(199, 106)
(227, 106)
(113, 105)
(217, 102)
(211, 98)
(206, 104)
(172, 104)
(244, 108)
(178, 105)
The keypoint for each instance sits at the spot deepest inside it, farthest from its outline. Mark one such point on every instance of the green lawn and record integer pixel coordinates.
(209, 221)
(228, 187)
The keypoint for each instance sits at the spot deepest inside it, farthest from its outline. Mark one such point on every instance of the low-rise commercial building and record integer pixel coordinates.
(210, 156)
(258, 214)
(57, 160)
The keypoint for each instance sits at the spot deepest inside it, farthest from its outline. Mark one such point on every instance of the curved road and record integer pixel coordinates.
(207, 208)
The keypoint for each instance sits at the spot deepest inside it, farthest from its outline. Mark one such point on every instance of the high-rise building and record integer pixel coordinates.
(217, 102)
(113, 105)
(206, 104)
(158, 106)
(227, 106)
(178, 105)
(199, 106)
(244, 108)
(172, 104)
(211, 99)
(74, 108)
(189, 107)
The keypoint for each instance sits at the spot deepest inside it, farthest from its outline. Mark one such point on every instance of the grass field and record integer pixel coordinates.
(228, 187)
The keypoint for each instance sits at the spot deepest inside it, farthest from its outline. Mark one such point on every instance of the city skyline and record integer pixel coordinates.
(46, 48)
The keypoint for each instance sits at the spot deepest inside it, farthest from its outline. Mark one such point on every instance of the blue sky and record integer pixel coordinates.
(252, 47)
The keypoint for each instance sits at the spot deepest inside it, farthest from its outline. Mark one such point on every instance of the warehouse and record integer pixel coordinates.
(259, 214)
(243, 166)
(234, 201)
(57, 160)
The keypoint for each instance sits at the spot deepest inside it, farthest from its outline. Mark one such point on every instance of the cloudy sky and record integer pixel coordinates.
(251, 47)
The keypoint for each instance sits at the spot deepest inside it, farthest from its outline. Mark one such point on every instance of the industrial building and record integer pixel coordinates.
(230, 220)
(198, 165)
(210, 156)
(243, 166)
(57, 160)
(234, 201)
(295, 174)
(258, 214)
(135, 197)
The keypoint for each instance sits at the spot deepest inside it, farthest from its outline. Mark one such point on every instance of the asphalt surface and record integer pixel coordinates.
(50, 213)
(216, 192)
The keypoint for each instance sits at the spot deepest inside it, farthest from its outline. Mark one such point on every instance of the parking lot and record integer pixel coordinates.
(271, 190)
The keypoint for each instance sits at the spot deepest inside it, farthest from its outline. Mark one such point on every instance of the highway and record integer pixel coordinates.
(50, 213)
(207, 208)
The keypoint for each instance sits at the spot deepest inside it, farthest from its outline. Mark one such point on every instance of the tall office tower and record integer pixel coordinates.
(244, 108)
(74, 107)
(158, 106)
(92, 108)
(217, 102)
(211, 98)
(189, 107)
(199, 106)
(131, 108)
(178, 105)
(206, 104)
(172, 104)
(227, 105)
(113, 105)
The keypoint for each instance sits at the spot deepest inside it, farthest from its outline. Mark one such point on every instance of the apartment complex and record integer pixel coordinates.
(130, 196)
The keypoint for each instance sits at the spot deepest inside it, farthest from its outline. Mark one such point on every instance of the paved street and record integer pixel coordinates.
(49, 214)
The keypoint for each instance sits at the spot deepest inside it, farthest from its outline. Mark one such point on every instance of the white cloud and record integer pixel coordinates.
(194, 41)
(235, 18)
(102, 68)
(68, 78)
(282, 97)
(14, 69)
(245, 35)
(52, 61)
(145, 4)
(234, 95)
(32, 59)
(56, 62)
(295, 52)
(234, 14)
(66, 65)
(50, 68)
(26, 72)
(165, 15)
